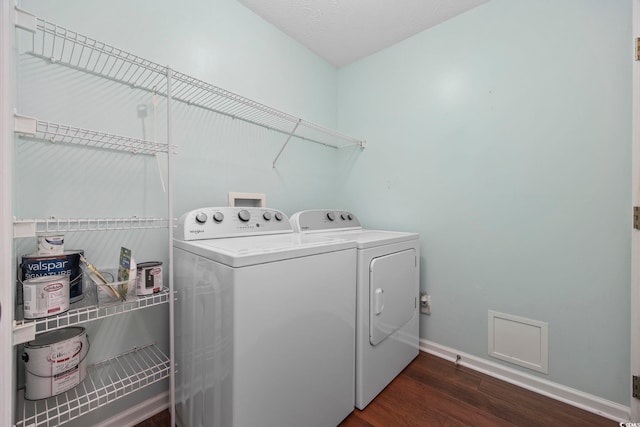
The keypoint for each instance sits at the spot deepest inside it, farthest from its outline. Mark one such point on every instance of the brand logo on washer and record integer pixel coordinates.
(196, 231)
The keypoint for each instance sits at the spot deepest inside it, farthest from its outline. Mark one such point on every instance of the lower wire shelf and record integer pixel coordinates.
(105, 382)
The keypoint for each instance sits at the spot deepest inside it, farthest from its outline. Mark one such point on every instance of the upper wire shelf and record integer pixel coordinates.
(60, 45)
(196, 92)
(30, 127)
(29, 227)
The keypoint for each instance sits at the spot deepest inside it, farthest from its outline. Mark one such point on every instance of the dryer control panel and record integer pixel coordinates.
(317, 220)
(221, 222)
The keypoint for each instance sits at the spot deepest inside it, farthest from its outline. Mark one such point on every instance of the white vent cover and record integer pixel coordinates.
(518, 340)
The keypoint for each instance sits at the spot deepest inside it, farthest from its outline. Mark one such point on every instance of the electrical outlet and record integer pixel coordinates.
(425, 303)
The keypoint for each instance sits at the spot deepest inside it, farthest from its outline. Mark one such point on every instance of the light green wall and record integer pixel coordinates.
(218, 41)
(503, 137)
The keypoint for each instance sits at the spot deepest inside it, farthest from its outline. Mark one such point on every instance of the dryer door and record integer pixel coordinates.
(393, 293)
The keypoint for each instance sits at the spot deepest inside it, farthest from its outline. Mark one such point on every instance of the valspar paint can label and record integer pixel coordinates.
(55, 362)
(51, 244)
(149, 278)
(45, 296)
(68, 263)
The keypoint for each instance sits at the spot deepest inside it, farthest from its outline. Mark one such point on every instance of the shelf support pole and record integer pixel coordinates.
(286, 142)
(172, 353)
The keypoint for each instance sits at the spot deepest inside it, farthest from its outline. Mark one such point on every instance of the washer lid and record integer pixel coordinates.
(244, 251)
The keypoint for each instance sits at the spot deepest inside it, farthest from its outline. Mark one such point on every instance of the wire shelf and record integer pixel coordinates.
(60, 45)
(86, 310)
(105, 382)
(196, 92)
(28, 127)
(29, 227)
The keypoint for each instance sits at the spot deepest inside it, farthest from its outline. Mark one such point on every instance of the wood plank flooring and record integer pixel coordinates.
(435, 392)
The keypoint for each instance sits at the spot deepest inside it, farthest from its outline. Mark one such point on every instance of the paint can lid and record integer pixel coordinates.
(148, 264)
(53, 337)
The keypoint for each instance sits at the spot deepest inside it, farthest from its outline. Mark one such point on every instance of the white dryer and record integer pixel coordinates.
(265, 321)
(387, 296)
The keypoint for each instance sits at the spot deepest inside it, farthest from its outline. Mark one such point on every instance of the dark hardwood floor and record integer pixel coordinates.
(434, 392)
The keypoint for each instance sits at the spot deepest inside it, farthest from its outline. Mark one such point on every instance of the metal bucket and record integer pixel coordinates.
(51, 244)
(45, 296)
(149, 278)
(68, 263)
(55, 362)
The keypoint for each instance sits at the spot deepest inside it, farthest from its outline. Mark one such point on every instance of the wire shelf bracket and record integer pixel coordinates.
(286, 142)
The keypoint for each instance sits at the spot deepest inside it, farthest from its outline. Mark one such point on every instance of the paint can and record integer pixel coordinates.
(45, 296)
(55, 362)
(149, 278)
(50, 244)
(68, 263)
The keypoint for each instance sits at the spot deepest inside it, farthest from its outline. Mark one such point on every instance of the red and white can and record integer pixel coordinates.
(45, 296)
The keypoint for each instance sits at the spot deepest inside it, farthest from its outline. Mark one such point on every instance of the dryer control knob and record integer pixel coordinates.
(218, 216)
(201, 217)
(244, 215)
(343, 216)
(278, 216)
(331, 216)
(267, 216)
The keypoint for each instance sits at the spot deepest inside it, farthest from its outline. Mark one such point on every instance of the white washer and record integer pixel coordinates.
(265, 321)
(387, 296)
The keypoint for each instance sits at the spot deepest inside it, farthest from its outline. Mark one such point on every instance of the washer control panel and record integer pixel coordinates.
(317, 220)
(220, 222)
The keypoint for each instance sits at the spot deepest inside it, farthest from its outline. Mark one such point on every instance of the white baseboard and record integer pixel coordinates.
(588, 402)
(138, 413)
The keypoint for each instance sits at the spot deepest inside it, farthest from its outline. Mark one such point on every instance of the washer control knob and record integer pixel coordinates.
(278, 216)
(201, 217)
(267, 216)
(331, 216)
(350, 217)
(343, 216)
(218, 216)
(244, 215)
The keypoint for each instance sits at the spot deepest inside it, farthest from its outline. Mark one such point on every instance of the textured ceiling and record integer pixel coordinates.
(343, 31)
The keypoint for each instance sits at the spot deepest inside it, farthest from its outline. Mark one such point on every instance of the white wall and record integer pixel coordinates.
(503, 137)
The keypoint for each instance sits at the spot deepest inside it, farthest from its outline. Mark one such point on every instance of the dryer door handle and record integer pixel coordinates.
(378, 301)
